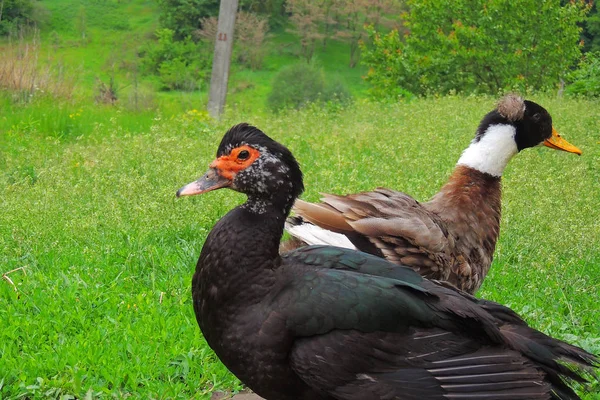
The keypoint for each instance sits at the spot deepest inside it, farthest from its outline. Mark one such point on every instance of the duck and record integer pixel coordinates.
(451, 237)
(323, 322)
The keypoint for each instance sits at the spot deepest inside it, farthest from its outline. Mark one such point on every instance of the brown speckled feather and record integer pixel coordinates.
(450, 238)
(470, 206)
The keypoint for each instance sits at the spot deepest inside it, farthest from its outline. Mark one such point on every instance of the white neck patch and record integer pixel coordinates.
(492, 152)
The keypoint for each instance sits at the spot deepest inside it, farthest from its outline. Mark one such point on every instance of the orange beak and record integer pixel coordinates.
(558, 143)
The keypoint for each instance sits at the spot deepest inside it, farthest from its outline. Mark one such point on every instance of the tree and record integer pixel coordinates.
(585, 80)
(478, 45)
(591, 30)
(250, 35)
(273, 10)
(306, 18)
(184, 17)
(352, 15)
(15, 13)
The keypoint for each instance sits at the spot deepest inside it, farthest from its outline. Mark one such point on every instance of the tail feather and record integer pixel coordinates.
(562, 362)
(322, 215)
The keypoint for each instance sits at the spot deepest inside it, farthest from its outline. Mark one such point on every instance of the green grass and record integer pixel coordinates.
(104, 309)
(104, 44)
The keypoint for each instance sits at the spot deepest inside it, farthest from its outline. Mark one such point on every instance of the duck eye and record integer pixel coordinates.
(243, 155)
(537, 117)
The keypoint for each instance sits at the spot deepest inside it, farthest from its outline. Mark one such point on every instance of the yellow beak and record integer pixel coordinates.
(558, 143)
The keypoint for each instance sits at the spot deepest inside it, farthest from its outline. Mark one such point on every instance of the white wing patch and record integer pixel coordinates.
(312, 234)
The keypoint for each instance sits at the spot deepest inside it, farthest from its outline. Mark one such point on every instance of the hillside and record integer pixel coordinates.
(95, 42)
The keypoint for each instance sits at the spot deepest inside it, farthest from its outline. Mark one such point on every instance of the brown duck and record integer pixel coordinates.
(451, 237)
(328, 323)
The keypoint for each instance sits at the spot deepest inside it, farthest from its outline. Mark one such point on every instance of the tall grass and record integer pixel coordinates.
(23, 74)
(104, 309)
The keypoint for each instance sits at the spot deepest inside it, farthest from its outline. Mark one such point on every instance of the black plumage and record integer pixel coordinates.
(329, 323)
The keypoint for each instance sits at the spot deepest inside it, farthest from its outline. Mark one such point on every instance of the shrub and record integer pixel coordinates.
(482, 47)
(14, 14)
(585, 80)
(390, 74)
(176, 74)
(336, 91)
(183, 17)
(106, 93)
(180, 65)
(299, 84)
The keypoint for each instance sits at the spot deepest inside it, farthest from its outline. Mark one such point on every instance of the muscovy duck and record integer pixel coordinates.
(324, 323)
(452, 237)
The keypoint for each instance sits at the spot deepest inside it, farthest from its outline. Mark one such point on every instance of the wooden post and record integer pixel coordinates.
(222, 57)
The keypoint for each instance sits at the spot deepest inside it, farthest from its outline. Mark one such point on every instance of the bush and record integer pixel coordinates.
(299, 84)
(482, 47)
(336, 91)
(183, 16)
(177, 75)
(180, 65)
(15, 14)
(390, 74)
(585, 80)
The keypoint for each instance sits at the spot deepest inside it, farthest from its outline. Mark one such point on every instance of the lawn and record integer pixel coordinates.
(101, 306)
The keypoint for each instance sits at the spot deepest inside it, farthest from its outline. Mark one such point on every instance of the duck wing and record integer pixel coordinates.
(388, 224)
(364, 330)
(416, 364)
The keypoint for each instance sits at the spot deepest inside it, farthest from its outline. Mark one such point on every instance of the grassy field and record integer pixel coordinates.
(93, 42)
(101, 304)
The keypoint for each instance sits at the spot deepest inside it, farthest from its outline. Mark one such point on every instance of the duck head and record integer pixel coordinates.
(250, 162)
(514, 125)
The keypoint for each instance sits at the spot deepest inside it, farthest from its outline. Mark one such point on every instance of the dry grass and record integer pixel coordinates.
(23, 73)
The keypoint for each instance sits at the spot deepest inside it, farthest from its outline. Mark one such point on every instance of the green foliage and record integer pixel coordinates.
(585, 80)
(296, 85)
(15, 14)
(274, 10)
(591, 30)
(104, 309)
(183, 16)
(477, 46)
(300, 84)
(390, 74)
(336, 91)
(180, 65)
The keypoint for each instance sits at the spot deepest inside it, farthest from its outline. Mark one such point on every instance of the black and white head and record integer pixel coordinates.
(514, 125)
(250, 162)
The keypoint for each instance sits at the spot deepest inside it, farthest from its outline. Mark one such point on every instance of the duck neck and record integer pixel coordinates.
(491, 151)
(277, 203)
(468, 188)
(470, 203)
(241, 252)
